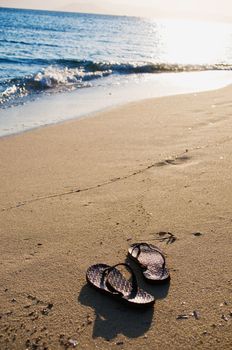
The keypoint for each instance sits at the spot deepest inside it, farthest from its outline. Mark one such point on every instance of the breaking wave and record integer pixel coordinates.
(118, 67)
(68, 74)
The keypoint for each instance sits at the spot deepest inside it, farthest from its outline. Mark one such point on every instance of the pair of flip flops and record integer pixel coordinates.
(110, 280)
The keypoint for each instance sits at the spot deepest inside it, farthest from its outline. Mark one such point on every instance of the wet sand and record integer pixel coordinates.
(81, 192)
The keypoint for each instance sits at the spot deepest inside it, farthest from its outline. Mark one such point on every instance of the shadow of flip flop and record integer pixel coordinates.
(113, 318)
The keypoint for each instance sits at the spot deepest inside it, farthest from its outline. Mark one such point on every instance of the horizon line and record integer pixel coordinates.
(158, 18)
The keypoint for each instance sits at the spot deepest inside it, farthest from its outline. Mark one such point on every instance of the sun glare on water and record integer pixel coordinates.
(189, 42)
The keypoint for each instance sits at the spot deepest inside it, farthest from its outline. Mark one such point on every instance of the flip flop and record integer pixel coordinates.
(110, 280)
(152, 260)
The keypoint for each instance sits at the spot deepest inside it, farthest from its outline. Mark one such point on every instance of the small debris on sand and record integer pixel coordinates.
(196, 315)
(225, 318)
(166, 236)
(182, 317)
(197, 234)
(73, 342)
(67, 342)
(47, 309)
(119, 343)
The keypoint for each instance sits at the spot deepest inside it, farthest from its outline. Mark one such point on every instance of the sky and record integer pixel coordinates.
(220, 10)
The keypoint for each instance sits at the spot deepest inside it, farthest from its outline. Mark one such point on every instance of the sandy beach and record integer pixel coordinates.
(81, 192)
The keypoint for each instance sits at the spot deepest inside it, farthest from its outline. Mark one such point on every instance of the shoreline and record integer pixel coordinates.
(81, 192)
(59, 108)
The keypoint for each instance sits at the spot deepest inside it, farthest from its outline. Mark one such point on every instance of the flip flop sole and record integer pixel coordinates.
(151, 260)
(116, 285)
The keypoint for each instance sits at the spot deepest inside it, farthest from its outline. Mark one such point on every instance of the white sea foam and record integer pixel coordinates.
(51, 77)
(12, 91)
(9, 91)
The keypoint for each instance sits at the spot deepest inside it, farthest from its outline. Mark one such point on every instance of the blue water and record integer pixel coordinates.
(43, 53)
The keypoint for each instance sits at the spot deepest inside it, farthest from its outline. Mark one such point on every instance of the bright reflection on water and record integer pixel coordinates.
(189, 42)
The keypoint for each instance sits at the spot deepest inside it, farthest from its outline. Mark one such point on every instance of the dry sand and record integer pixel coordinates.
(79, 193)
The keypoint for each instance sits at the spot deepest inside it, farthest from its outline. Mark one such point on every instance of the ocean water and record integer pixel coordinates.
(48, 53)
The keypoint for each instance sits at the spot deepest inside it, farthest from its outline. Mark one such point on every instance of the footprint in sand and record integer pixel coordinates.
(175, 161)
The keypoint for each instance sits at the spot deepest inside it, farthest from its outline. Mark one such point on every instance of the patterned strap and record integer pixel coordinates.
(134, 284)
(138, 245)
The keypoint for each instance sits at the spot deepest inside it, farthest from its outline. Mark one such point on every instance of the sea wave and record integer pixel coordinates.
(19, 42)
(58, 75)
(147, 67)
(117, 67)
(51, 78)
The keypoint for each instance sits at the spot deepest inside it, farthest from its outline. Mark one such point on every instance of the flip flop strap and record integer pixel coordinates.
(134, 284)
(138, 245)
